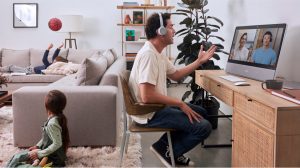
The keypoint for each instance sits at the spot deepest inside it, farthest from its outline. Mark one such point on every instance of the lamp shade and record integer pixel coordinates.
(71, 23)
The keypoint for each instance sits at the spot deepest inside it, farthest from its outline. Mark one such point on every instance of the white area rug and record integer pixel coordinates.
(77, 157)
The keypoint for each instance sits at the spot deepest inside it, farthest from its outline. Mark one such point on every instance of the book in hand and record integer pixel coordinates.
(17, 74)
(291, 95)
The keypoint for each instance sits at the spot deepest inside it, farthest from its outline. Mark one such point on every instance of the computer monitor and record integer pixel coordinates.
(255, 51)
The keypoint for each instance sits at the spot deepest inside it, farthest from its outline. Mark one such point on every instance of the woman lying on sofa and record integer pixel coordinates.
(37, 69)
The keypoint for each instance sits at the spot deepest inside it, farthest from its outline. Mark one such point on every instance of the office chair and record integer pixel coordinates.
(134, 108)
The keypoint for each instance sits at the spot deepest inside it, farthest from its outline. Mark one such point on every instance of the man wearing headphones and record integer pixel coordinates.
(148, 83)
(265, 54)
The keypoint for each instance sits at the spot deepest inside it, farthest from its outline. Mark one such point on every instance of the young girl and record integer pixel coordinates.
(55, 138)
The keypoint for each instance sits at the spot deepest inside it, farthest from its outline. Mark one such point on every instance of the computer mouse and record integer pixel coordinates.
(241, 84)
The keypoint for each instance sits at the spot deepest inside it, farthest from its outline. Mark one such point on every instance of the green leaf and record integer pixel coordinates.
(181, 61)
(206, 30)
(216, 19)
(216, 26)
(190, 38)
(218, 37)
(186, 95)
(177, 13)
(214, 30)
(205, 11)
(220, 46)
(185, 11)
(183, 33)
(180, 31)
(199, 25)
(180, 55)
(183, 5)
(216, 56)
(187, 21)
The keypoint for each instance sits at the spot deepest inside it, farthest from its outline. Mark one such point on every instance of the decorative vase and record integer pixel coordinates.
(165, 2)
(147, 2)
(127, 19)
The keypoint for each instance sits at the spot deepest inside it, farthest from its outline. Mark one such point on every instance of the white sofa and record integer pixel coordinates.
(93, 111)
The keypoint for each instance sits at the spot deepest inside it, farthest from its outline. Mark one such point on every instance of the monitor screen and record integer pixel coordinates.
(255, 51)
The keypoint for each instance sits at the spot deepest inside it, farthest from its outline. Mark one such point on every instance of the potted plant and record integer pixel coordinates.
(199, 29)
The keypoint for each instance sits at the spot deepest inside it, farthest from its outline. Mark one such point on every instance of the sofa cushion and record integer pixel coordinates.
(36, 56)
(15, 57)
(34, 78)
(113, 51)
(91, 71)
(69, 80)
(77, 56)
(62, 68)
(109, 56)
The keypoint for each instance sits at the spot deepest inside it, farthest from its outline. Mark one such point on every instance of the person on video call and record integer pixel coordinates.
(265, 54)
(241, 53)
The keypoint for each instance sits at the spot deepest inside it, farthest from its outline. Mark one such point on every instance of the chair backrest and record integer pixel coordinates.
(133, 107)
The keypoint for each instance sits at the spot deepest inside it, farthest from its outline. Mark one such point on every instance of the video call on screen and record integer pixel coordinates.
(257, 46)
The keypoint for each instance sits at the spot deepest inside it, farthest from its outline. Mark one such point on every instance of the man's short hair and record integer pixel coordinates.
(268, 33)
(153, 24)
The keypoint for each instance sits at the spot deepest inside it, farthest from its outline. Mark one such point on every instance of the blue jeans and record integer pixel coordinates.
(187, 135)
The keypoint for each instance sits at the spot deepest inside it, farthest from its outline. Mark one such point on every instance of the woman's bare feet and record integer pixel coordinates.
(50, 46)
(62, 44)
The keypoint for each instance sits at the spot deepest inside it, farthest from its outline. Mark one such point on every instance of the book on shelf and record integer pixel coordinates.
(130, 54)
(130, 3)
(290, 95)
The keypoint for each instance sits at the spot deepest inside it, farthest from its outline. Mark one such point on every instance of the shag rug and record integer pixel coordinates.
(77, 156)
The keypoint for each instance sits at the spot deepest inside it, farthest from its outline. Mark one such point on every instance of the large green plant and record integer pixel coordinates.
(199, 29)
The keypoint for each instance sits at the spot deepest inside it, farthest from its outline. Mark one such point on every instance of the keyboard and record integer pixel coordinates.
(232, 78)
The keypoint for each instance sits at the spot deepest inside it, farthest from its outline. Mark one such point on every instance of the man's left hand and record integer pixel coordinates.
(205, 56)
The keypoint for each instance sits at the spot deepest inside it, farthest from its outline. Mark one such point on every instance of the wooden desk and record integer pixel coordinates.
(266, 128)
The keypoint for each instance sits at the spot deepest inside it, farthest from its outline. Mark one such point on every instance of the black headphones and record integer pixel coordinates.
(267, 33)
(161, 30)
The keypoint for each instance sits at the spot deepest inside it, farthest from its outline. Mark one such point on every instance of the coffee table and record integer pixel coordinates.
(5, 99)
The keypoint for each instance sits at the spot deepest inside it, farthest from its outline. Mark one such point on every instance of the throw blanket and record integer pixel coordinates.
(61, 68)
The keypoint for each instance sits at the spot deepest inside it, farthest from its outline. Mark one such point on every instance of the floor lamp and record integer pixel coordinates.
(71, 24)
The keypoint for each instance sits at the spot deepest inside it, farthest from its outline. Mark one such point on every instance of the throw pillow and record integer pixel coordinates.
(109, 56)
(15, 57)
(61, 68)
(91, 71)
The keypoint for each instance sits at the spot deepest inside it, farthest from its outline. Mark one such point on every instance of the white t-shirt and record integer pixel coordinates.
(149, 67)
(241, 55)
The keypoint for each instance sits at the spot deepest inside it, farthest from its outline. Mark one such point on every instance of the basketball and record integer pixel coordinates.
(54, 24)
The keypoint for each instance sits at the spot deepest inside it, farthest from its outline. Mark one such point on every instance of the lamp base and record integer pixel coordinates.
(70, 41)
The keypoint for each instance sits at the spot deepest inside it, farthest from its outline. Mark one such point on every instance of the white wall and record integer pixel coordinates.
(101, 30)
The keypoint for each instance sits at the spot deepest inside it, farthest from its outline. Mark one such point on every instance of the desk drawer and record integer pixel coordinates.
(261, 113)
(221, 92)
(203, 82)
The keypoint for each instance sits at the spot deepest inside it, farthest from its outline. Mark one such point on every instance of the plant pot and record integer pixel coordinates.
(212, 107)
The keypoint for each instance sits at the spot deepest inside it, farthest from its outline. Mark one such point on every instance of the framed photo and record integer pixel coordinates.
(25, 15)
(130, 35)
(138, 17)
